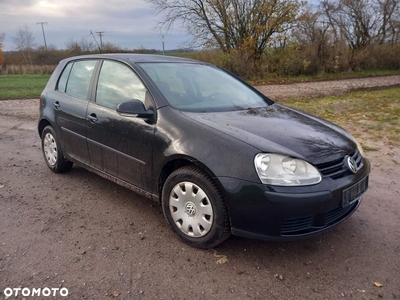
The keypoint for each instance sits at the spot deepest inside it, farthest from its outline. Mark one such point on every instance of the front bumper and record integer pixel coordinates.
(286, 213)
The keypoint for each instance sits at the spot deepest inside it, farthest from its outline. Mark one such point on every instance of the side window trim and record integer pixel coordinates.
(68, 65)
(95, 81)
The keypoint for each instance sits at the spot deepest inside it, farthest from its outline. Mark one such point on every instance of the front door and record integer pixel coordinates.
(119, 145)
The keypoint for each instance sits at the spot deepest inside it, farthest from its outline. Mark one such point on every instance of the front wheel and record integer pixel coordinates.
(52, 152)
(194, 208)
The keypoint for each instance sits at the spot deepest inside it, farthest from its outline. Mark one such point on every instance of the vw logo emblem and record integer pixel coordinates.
(190, 209)
(352, 165)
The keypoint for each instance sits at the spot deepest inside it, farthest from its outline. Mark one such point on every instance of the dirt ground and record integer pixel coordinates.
(102, 241)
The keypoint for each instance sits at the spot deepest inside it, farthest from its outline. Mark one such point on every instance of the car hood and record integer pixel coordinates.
(279, 129)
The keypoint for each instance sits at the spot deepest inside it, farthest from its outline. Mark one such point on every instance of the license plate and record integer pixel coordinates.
(354, 192)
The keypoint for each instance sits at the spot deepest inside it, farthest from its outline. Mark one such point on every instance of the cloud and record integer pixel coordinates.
(128, 23)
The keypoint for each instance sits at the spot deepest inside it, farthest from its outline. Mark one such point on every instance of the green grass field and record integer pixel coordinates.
(22, 86)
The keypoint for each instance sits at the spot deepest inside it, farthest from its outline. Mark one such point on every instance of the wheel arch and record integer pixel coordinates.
(42, 125)
(179, 162)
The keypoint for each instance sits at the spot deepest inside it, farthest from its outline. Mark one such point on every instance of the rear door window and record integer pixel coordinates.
(78, 82)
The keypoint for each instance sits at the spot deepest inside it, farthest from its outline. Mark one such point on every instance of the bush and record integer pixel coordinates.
(291, 60)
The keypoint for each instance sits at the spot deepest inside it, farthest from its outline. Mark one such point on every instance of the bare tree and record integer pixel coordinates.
(317, 35)
(81, 46)
(312, 29)
(389, 18)
(110, 48)
(394, 29)
(247, 25)
(355, 20)
(24, 42)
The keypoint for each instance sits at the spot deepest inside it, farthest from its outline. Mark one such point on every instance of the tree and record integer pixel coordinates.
(355, 20)
(84, 45)
(24, 42)
(248, 25)
(315, 34)
(108, 47)
(2, 36)
(389, 18)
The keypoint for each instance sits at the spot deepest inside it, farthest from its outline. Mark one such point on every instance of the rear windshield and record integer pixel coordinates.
(202, 88)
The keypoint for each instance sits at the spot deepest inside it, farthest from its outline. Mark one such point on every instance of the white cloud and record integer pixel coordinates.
(127, 23)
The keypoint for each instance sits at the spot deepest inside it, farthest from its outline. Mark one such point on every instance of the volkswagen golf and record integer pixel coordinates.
(220, 157)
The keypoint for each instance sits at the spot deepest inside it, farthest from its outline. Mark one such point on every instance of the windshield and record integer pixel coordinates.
(201, 88)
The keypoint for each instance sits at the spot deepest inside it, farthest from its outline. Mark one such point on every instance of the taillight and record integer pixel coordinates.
(40, 101)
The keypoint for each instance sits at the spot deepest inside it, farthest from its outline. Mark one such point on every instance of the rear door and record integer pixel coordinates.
(70, 106)
(119, 145)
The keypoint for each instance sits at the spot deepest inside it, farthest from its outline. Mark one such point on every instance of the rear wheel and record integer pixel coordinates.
(52, 152)
(194, 208)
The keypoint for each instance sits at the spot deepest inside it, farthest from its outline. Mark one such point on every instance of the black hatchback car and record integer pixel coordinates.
(217, 154)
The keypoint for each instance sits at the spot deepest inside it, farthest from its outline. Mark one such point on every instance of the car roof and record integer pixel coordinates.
(135, 57)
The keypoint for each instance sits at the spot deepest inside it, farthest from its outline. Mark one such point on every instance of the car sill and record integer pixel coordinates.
(119, 182)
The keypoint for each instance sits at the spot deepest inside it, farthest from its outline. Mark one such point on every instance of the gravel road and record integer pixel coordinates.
(101, 241)
(326, 88)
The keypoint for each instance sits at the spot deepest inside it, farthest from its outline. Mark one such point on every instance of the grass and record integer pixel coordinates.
(273, 79)
(371, 116)
(22, 86)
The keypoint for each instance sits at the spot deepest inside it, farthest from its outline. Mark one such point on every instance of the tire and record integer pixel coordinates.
(199, 218)
(52, 152)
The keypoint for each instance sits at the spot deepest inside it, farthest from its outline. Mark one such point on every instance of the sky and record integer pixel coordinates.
(129, 24)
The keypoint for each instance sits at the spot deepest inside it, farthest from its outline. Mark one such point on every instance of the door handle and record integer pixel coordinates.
(56, 105)
(92, 118)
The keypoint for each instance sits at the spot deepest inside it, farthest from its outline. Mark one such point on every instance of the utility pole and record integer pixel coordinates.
(44, 36)
(95, 41)
(163, 39)
(100, 33)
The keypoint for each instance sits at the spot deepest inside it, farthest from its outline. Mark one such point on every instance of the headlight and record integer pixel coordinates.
(360, 149)
(277, 169)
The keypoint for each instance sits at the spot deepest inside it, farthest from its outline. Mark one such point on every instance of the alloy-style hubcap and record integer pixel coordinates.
(50, 149)
(191, 209)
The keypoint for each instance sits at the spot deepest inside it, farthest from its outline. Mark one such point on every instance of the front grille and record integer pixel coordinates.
(295, 225)
(337, 214)
(338, 168)
(318, 222)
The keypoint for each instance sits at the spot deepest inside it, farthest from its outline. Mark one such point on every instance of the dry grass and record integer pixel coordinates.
(26, 69)
(372, 116)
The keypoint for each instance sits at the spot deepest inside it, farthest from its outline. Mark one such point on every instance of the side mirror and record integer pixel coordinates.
(134, 108)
